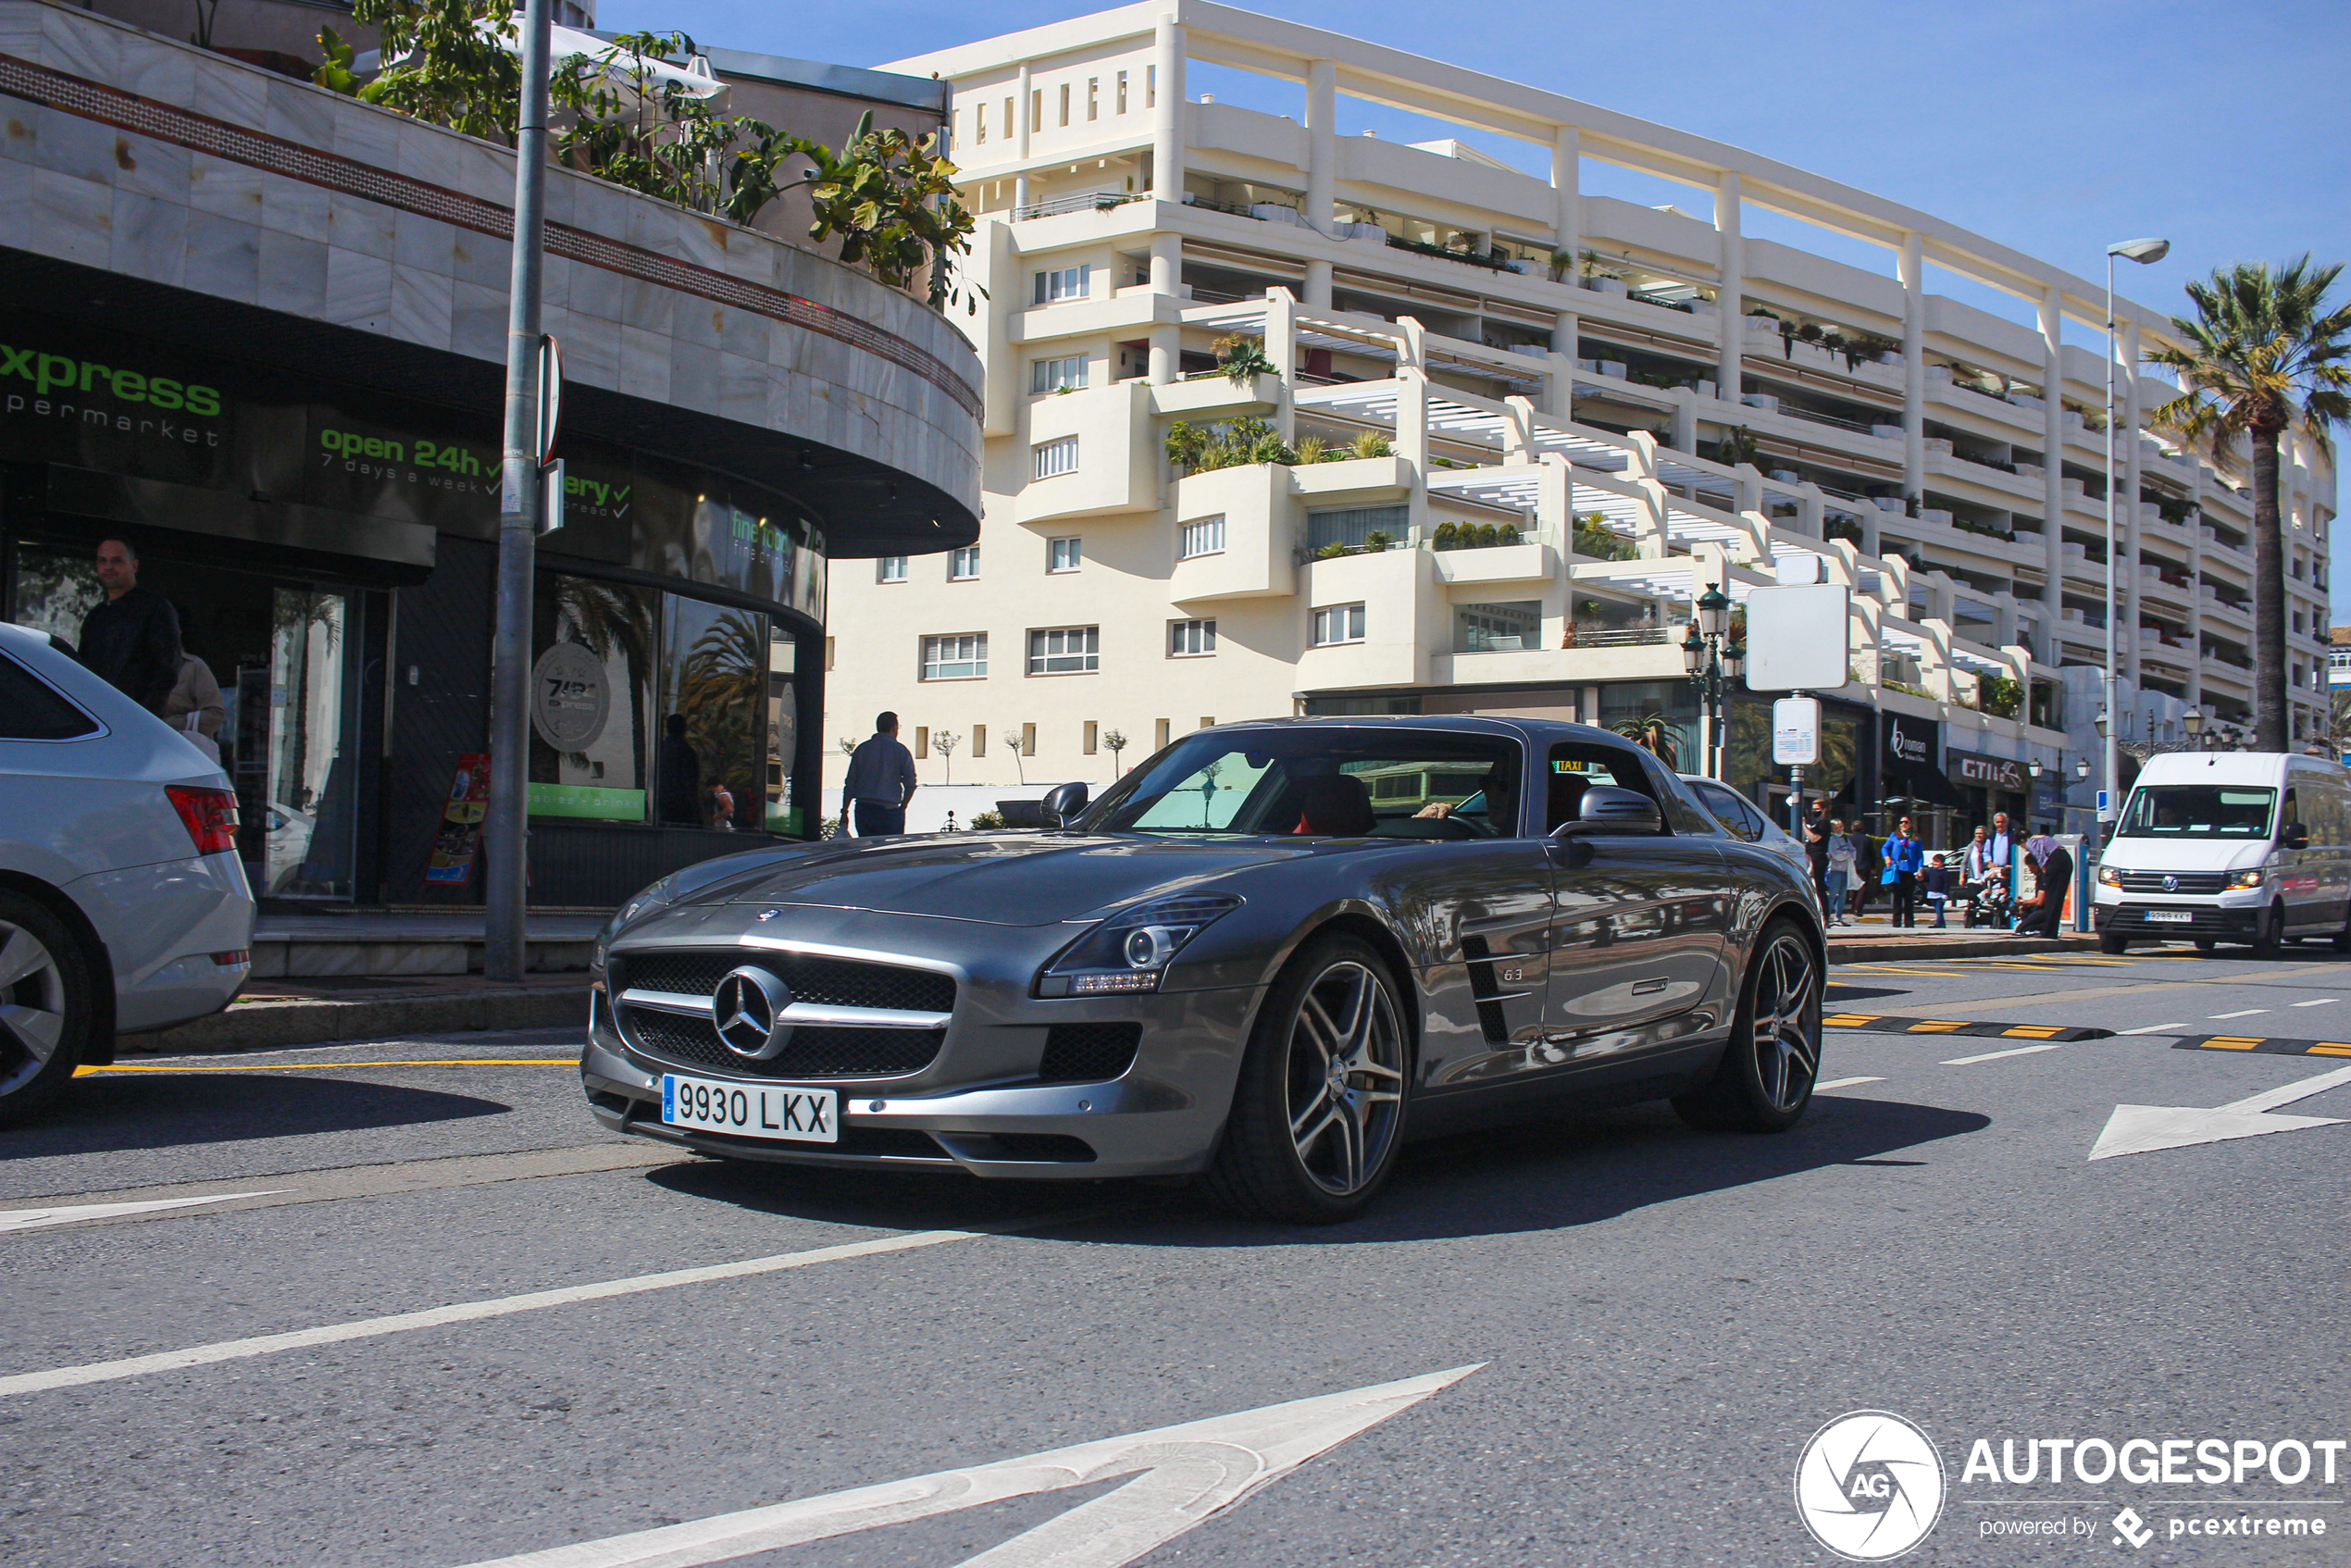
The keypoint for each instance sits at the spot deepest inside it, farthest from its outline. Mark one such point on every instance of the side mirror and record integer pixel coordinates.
(1062, 802)
(2294, 836)
(1607, 809)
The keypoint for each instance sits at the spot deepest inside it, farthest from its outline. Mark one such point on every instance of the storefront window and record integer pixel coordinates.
(1747, 766)
(296, 722)
(1662, 715)
(783, 730)
(714, 675)
(594, 651)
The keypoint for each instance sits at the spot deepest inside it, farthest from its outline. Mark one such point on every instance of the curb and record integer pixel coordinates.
(1851, 951)
(253, 1025)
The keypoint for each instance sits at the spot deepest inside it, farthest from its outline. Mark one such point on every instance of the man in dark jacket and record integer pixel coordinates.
(881, 783)
(132, 641)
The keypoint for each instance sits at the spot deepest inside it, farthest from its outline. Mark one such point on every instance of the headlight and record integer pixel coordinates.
(1131, 950)
(2109, 877)
(2251, 877)
(645, 902)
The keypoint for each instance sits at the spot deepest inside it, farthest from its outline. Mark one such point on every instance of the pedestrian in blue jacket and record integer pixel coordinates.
(1904, 856)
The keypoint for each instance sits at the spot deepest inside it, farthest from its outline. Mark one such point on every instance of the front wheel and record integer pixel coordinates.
(48, 1007)
(1319, 1107)
(2269, 936)
(2113, 942)
(1765, 1078)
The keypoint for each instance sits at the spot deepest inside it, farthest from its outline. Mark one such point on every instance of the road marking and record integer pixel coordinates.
(2151, 1029)
(1183, 1475)
(1844, 1083)
(2267, 1045)
(2142, 1129)
(2240, 1012)
(1886, 1024)
(503, 1306)
(74, 1214)
(314, 1066)
(2099, 993)
(1996, 1055)
(2317, 1002)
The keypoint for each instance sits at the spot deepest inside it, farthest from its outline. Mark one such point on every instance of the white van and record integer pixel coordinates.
(2230, 846)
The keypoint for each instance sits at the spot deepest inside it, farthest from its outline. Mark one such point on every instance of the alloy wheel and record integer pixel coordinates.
(1787, 1040)
(1345, 1076)
(33, 1006)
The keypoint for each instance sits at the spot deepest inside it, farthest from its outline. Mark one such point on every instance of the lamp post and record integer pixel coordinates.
(1714, 662)
(2192, 719)
(2143, 252)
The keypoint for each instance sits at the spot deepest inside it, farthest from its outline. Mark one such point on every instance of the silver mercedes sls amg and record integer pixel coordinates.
(1267, 956)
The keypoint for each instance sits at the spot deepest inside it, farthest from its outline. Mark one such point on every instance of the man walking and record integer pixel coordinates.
(881, 783)
(131, 639)
(1904, 857)
(1816, 847)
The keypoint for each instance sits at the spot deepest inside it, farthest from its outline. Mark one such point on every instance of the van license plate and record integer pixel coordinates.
(2171, 917)
(747, 1110)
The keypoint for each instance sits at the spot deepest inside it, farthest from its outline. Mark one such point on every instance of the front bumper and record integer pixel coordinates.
(2207, 921)
(981, 1105)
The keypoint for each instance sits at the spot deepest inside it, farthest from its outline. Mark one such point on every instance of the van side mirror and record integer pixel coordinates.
(2294, 836)
(1062, 802)
(1607, 809)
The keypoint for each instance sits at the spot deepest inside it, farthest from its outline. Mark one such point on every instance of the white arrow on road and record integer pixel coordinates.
(1182, 1474)
(2141, 1129)
(36, 1219)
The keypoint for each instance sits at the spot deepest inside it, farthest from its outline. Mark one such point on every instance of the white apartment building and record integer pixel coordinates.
(1646, 401)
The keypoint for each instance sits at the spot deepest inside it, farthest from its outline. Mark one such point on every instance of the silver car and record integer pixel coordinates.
(123, 903)
(1266, 956)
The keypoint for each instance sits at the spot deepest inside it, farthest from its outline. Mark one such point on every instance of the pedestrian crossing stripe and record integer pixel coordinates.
(1881, 1024)
(2264, 1045)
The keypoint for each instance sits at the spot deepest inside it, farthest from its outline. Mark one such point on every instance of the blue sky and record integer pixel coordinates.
(2216, 125)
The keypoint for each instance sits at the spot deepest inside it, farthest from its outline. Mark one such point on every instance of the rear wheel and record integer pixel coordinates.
(1767, 1071)
(1319, 1107)
(47, 1005)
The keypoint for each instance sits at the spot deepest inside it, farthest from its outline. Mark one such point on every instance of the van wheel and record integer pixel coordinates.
(2268, 937)
(2112, 941)
(2206, 945)
(48, 1005)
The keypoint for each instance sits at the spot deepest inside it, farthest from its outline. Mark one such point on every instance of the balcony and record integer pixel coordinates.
(1079, 201)
(1528, 563)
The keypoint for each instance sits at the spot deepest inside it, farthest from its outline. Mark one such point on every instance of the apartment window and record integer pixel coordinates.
(1050, 458)
(1354, 525)
(1497, 628)
(1187, 639)
(1094, 733)
(1007, 118)
(1338, 623)
(1028, 740)
(1065, 650)
(1036, 109)
(960, 655)
(1056, 374)
(979, 122)
(1122, 92)
(1064, 283)
(922, 742)
(1065, 103)
(1205, 537)
(828, 654)
(979, 740)
(1159, 736)
(1208, 721)
(1150, 87)
(963, 565)
(1093, 97)
(890, 568)
(1062, 555)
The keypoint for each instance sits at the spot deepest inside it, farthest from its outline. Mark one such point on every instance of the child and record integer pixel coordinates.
(1938, 889)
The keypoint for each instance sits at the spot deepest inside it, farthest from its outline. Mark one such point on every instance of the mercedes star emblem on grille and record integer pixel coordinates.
(2170, 883)
(748, 1008)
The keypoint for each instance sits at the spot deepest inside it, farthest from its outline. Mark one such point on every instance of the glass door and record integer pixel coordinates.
(294, 715)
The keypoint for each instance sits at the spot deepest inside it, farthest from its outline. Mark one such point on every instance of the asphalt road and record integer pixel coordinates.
(1655, 1322)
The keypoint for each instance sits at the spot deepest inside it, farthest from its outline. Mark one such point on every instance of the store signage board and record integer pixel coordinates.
(1796, 732)
(1977, 771)
(1797, 638)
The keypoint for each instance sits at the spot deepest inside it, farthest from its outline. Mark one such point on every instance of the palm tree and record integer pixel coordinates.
(1655, 733)
(2263, 355)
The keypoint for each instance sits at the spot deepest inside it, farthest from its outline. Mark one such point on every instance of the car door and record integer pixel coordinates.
(1483, 910)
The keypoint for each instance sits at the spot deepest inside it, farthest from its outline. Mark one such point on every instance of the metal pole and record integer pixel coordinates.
(2109, 682)
(506, 864)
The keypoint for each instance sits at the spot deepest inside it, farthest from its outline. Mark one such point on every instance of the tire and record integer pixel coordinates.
(48, 1007)
(2112, 941)
(2207, 944)
(1318, 1111)
(1765, 1078)
(2268, 937)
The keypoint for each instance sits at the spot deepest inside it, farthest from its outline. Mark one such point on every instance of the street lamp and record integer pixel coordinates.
(2101, 722)
(2192, 719)
(1714, 662)
(2081, 770)
(2143, 252)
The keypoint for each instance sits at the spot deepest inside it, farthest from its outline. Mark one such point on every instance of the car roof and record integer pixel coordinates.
(1534, 731)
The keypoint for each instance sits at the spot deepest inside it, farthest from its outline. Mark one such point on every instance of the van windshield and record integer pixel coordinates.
(2198, 811)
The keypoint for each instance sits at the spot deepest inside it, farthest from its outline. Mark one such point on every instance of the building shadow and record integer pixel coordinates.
(108, 1114)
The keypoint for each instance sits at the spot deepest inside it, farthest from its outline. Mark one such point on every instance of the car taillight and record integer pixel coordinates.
(210, 815)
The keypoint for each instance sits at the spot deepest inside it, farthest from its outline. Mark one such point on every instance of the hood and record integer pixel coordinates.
(2186, 855)
(998, 878)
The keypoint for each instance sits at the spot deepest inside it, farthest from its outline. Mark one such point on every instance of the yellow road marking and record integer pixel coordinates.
(1938, 1026)
(2035, 1031)
(310, 1066)
(1850, 1020)
(2234, 1042)
(2330, 1048)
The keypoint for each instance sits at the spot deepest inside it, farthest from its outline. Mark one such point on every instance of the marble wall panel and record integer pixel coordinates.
(79, 213)
(358, 289)
(150, 237)
(478, 320)
(423, 305)
(224, 257)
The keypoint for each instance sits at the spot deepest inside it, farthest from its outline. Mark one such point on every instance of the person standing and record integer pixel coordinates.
(680, 774)
(881, 783)
(1904, 857)
(1816, 848)
(1974, 866)
(1870, 863)
(130, 639)
(2000, 847)
(1844, 862)
(195, 707)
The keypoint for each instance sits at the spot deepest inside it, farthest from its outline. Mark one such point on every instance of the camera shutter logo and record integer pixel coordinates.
(748, 1009)
(1869, 1486)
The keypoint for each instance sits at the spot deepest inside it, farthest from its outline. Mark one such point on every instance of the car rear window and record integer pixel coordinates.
(31, 709)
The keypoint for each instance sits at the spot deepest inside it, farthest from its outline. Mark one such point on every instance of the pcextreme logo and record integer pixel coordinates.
(1869, 1486)
(64, 374)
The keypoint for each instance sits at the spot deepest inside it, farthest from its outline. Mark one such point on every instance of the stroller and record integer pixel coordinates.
(1990, 903)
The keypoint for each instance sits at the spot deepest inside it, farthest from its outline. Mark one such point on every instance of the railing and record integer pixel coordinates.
(1095, 201)
(1491, 262)
(1814, 415)
(1237, 211)
(1626, 636)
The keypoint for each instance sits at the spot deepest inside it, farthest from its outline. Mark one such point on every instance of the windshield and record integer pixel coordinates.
(1334, 783)
(2198, 811)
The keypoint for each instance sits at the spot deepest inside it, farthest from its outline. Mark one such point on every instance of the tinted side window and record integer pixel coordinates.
(1575, 766)
(1736, 814)
(32, 709)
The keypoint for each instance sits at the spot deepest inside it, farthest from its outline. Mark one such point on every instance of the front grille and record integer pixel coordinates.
(2200, 923)
(2188, 882)
(831, 982)
(1088, 1053)
(813, 1051)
